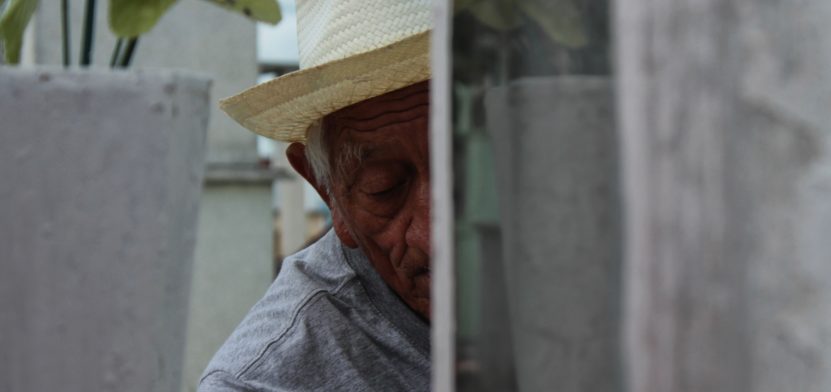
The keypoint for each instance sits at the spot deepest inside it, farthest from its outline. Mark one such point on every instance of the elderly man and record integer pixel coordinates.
(351, 311)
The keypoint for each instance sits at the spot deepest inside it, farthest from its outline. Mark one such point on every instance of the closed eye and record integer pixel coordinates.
(387, 192)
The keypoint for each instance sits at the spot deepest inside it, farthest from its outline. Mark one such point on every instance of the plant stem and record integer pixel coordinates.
(89, 31)
(65, 26)
(128, 52)
(116, 52)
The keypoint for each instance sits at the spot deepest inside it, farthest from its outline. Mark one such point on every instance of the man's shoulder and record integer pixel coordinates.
(306, 330)
(305, 277)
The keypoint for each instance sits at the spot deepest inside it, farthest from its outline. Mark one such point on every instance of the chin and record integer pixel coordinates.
(419, 299)
(422, 308)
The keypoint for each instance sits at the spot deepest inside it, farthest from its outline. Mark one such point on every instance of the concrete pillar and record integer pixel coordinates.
(726, 130)
(291, 206)
(555, 151)
(231, 268)
(101, 178)
(233, 265)
(193, 35)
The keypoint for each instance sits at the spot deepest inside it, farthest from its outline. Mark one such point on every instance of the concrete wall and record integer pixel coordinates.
(230, 272)
(101, 176)
(233, 265)
(194, 35)
(559, 229)
(726, 130)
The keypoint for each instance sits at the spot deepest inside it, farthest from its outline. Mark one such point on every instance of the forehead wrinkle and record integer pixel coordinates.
(371, 111)
(379, 122)
(370, 146)
(353, 152)
(350, 128)
(420, 105)
(395, 98)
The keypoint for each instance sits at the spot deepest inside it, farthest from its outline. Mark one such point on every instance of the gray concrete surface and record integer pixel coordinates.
(726, 132)
(229, 274)
(555, 155)
(193, 35)
(233, 254)
(101, 178)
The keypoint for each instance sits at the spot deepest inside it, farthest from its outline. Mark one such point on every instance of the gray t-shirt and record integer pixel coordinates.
(328, 323)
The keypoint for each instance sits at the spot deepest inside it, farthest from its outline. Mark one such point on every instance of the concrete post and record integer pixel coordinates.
(187, 37)
(555, 152)
(726, 130)
(101, 179)
(291, 205)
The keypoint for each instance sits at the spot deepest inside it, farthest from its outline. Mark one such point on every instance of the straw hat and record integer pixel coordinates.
(350, 51)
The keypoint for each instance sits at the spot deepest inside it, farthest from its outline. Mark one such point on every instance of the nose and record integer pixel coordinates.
(418, 234)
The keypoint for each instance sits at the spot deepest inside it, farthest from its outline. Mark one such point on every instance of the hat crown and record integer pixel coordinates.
(329, 30)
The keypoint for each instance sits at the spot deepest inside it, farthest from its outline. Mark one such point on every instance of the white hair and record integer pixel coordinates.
(317, 153)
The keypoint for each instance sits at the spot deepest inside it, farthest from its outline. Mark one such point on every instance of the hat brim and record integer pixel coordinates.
(284, 108)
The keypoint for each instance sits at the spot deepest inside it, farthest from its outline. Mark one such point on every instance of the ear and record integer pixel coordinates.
(296, 154)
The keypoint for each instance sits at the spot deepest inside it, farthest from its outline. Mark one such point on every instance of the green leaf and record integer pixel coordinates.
(496, 14)
(461, 5)
(13, 24)
(261, 10)
(131, 18)
(562, 20)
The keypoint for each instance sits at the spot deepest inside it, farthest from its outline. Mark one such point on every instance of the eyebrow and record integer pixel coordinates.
(351, 155)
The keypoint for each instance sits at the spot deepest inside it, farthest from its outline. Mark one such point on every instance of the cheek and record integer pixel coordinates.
(383, 232)
(382, 227)
(382, 238)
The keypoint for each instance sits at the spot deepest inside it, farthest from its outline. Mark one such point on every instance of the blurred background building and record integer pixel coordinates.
(253, 211)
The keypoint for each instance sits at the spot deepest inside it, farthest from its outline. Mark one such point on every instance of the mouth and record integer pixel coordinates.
(414, 272)
(412, 265)
(420, 272)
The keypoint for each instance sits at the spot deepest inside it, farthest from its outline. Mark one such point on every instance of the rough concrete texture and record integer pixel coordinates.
(101, 176)
(555, 152)
(726, 132)
(194, 35)
(227, 279)
(197, 35)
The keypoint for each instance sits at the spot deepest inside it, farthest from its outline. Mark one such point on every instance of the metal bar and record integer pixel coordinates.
(67, 55)
(128, 53)
(441, 160)
(116, 52)
(88, 34)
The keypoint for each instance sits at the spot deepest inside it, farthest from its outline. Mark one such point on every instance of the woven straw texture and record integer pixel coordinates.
(350, 51)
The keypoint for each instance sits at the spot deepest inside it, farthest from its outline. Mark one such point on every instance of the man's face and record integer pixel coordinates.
(381, 187)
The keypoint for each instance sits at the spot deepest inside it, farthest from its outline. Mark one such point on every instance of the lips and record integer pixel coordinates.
(412, 276)
(414, 270)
